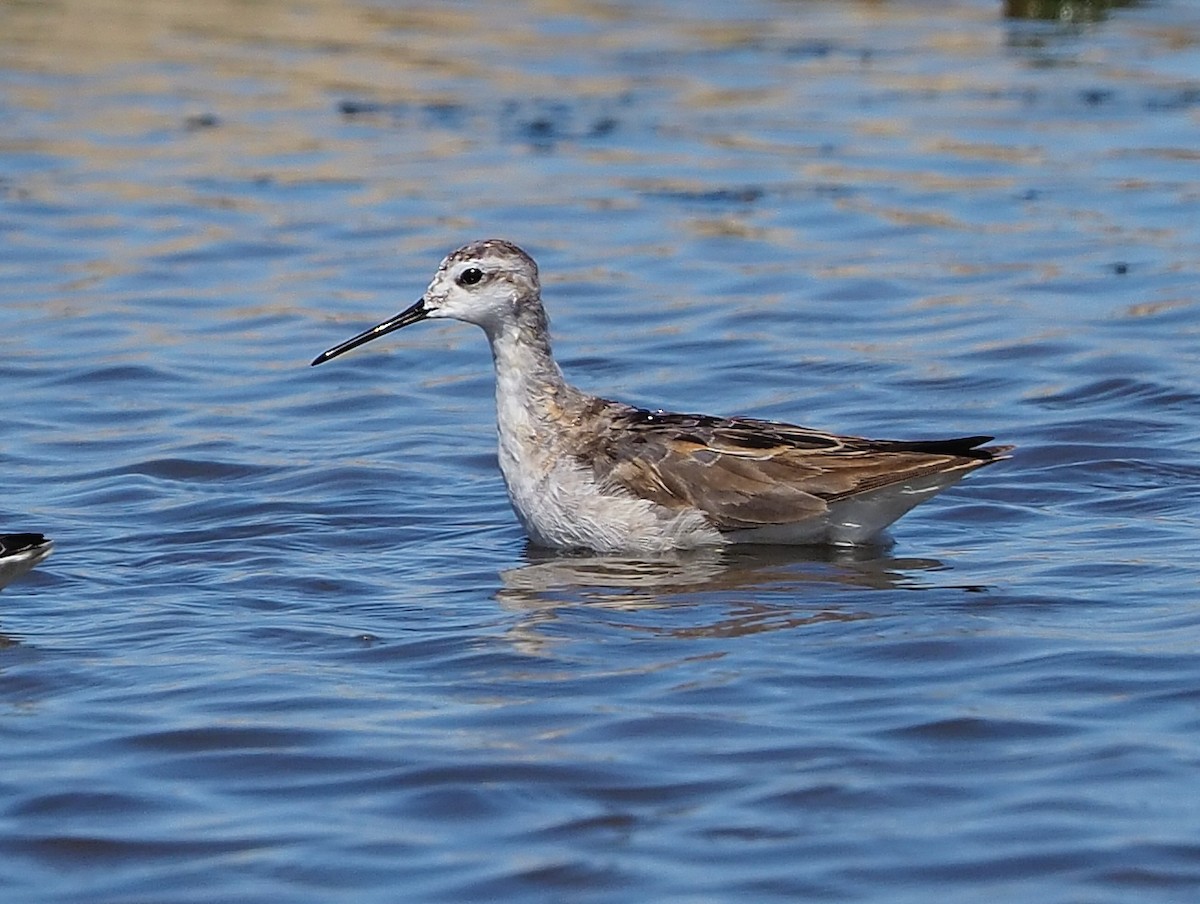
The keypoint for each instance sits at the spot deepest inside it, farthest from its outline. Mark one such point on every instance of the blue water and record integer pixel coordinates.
(293, 646)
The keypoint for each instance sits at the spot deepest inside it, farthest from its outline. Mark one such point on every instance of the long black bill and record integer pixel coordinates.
(415, 314)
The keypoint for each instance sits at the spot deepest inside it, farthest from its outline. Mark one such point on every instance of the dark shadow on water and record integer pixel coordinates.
(1075, 12)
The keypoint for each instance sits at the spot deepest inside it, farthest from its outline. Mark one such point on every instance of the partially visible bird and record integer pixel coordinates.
(19, 553)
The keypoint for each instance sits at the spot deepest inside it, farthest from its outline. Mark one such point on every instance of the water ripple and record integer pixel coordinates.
(292, 643)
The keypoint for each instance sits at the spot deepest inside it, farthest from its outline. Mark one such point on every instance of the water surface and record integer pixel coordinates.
(293, 645)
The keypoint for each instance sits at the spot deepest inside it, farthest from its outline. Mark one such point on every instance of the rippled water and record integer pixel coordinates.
(292, 645)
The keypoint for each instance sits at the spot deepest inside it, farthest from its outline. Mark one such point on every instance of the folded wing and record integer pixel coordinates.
(744, 473)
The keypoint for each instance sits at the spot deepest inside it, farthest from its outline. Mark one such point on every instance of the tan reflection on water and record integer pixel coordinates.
(331, 44)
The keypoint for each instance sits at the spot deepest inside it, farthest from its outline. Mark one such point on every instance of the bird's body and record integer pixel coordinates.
(584, 472)
(19, 553)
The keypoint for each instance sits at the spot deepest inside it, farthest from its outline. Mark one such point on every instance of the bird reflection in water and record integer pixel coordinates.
(771, 588)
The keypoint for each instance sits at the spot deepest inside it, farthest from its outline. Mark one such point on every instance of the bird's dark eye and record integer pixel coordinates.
(470, 276)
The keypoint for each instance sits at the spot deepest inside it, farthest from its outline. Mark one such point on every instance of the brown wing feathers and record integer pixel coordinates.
(746, 473)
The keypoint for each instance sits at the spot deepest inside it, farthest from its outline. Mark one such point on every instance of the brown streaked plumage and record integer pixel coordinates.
(745, 473)
(586, 472)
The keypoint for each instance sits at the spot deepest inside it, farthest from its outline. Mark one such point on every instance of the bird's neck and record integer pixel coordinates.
(531, 392)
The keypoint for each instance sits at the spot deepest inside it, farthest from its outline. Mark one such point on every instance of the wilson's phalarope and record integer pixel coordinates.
(19, 553)
(587, 473)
